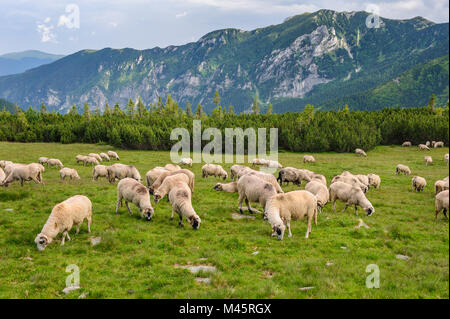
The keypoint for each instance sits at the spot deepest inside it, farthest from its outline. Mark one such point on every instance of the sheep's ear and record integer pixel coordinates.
(55, 225)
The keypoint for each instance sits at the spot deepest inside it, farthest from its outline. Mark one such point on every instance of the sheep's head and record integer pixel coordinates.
(370, 210)
(150, 190)
(218, 187)
(148, 213)
(157, 197)
(279, 230)
(225, 175)
(195, 221)
(41, 241)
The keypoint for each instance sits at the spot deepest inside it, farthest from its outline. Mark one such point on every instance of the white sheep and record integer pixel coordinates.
(363, 179)
(54, 162)
(268, 178)
(152, 175)
(132, 191)
(244, 171)
(214, 170)
(439, 144)
(350, 195)
(172, 167)
(273, 164)
(234, 171)
(282, 208)
(72, 211)
(351, 180)
(418, 183)
(374, 180)
(120, 171)
(321, 192)
(81, 159)
(446, 158)
(360, 152)
(406, 144)
(319, 178)
(288, 174)
(4, 163)
(105, 156)
(98, 157)
(423, 147)
(228, 188)
(186, 161)
(309, 159)
(42, 160)
(251, 188)
(113, 154)
(402, 169)
(22, 173)
(99, 171)
(180, 198)
(259, 161)
(441, 203)
(168, 183)
(90, 160)
(428, 160)
(157, 183)
(440, 186)
(68, 172)
(428, 143)
(2, 175)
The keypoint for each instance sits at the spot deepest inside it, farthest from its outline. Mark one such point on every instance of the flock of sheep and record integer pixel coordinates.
(253, 186)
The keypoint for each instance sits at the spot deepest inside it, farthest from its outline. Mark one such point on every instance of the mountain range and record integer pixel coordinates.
(325, 58)
(18, 62)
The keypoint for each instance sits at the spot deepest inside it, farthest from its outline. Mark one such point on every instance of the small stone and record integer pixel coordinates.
(95, 240)
(28, 258)
(402, 257)
(203, 280)
(9, 209)
(343, 247)
(69, 289)
(306, 288)
(196, 269)
(328, 264)
(255, 253)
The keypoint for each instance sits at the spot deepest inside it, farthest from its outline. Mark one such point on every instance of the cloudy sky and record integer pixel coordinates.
(66, 26)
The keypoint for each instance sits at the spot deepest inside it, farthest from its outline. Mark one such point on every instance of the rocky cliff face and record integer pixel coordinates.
(311, 58)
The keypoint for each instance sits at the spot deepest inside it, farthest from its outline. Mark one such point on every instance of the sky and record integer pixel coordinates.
(67, 26)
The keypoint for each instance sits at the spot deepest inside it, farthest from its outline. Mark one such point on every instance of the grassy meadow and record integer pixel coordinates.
(137, 259)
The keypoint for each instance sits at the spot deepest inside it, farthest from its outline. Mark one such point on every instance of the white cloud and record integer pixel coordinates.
(180, 15)
(46, 32)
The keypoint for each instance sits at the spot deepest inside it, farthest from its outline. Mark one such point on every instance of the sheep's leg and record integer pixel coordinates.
(63, 239)
(241, 198)
(334, 205)
(129, 210)
(89, 221)
(436, 214)
(288, 224)
(173, 213)
(180, 223)
(67, 235)
(248, 206)
(119, 201)
(346, 205)
(445, 213)
(78, 229)
(21, 182)
(356, 208)
(308, 229)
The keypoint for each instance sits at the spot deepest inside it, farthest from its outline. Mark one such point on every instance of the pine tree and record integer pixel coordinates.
(255, 105)
(107, 110)
(73, 110)
(188, 109)
(43, 108)
(216, 98)
(217, 112)
(231, 109)
(130, 108)
(117, 110)
(141, 108)
(431, 102)
(269, 109)
(86, 110)
(199, 111)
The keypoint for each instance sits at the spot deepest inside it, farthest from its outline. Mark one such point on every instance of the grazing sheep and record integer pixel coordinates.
(309, 159)
(105, 156)
(157, 183)
(374, 180)
(99, 171)
(288, 174)
(360, 152)
(351, 180)
(446, 158)
(269, 178)
(90, 160)
(172, 167)
(234, 171)
(81, 158)
(4, 163)
(186, 161)
(2, 175)
(54, 162)
(440, 186)
(121, 171)
(245, 171)
(133, 191)
(214, 170)
(423, 147)
(259, 161)
(406, 144)
(418, 183)
(64, 215)
(282, 208)
(321, 192)
(439, 144)
(304, 175)
(432, 143)
(428, 143)
(363, 179)
(42, 160)
(152, 175)
(228, 188)
(9, 168)
(98, 157)
(168, 183)
(251, 188)
(350, 195)
(402, 169)
(428, 160)
(22, 173)
(319, 178)
(180, 198)
(441, 203)
(273, 164)
(68, 172)
(113, 154)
